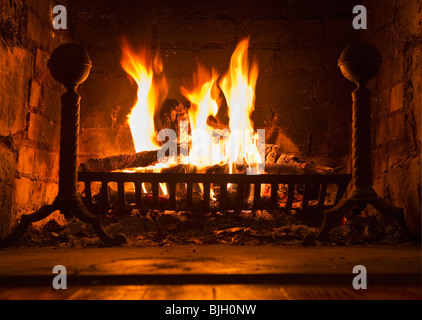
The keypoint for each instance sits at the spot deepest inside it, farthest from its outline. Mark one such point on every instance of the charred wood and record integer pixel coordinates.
(119, 162)
(276, 162)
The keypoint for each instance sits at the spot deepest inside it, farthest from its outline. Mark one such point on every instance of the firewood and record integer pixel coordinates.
(119, 162)
(276, 162)
(169, 116)
(180, 168)
(218, 168)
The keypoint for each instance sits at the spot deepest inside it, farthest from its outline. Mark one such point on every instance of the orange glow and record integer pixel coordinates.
(208, 146)
(203, 151)
(238, 86)
(152, 90)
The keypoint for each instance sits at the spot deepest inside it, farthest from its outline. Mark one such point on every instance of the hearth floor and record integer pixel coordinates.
(212, 272)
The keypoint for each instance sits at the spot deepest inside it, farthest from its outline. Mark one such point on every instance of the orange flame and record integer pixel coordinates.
(208, 147)
(202, 105)
(238, 86)
(152, 89)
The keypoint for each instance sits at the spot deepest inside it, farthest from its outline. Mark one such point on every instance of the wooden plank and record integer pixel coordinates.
(35, 293)
(213, 292)
(109, 293)
(178, 292)
(319, 292)
(249, 292)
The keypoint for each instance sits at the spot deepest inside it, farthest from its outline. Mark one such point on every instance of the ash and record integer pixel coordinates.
(234, 228)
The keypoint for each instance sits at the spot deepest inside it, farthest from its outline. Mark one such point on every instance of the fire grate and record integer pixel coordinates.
(314, 189)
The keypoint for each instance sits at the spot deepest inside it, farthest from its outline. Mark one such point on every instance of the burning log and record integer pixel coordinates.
(275, 168)
(297, 168)
(180, 168)
(169, 116)
(119, 162)
(276, 162)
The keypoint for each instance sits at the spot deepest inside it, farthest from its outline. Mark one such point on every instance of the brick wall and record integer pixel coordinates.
(30, 109)
(395, 28)
(300, 91)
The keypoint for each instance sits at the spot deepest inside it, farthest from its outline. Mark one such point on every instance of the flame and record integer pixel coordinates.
(152, 89)
(238, 86)
(208, 146)
(203, 148)
(211, 146)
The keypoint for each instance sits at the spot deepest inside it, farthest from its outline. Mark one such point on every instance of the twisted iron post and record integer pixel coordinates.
(69, 64)
(359, 63)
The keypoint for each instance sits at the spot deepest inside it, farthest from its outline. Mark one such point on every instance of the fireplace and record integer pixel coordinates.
(302, 102)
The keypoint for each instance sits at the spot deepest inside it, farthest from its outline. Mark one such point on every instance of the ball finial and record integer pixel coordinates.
(70, 64)
(360, 62)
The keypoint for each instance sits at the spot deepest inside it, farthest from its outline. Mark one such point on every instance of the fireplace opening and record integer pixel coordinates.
(275, 63)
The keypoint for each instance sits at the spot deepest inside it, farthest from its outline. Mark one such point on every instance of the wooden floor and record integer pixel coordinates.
(212, 273)
(214, 292)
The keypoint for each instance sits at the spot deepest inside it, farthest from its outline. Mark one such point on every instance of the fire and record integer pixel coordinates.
(238, 86)
(203, 151)
(236, 144)
(152, 89)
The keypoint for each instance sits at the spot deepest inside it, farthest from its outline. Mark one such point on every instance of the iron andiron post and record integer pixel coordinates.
(359, 62)
(70, 65)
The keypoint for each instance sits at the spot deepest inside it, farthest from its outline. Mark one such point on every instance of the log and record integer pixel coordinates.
(278, 162)
(169, 116)
(180, 168)
(119, 162)
(275, 163)
(270, 168)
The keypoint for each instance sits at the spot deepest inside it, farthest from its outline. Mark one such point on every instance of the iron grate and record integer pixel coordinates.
(313, 187)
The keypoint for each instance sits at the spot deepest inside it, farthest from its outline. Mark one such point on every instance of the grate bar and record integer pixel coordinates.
(154, 199)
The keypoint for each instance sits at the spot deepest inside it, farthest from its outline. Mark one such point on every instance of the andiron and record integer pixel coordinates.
(359, 62)
(70, 65)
